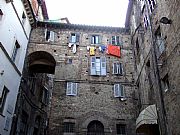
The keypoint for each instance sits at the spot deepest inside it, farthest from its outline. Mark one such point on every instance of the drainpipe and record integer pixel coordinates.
(161, 109)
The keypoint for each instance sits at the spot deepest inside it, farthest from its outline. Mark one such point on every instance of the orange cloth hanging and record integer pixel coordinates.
(114, 50)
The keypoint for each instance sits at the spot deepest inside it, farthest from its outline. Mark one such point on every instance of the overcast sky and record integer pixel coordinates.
(90, 12)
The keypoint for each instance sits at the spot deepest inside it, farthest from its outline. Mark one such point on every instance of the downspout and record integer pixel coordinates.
(161, 110)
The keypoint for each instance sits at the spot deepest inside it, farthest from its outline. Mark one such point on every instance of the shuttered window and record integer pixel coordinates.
(98, 66)
(117, 68)
(74, 38)
(49, 35)
(71, 89)
(119, 90)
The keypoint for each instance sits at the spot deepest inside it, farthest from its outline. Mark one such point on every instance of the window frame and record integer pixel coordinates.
(69, 127)
(70, 91)
(95, 39)
(116, 40)
(98, 66)
(15, 51)
(3, 99)
(49, 35)
(119, 91)
(118, 67)
(121, 129)
(74, 38)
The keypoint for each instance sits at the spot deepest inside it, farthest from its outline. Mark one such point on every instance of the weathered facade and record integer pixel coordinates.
(93, 91)
(28, 114)
(155, 38)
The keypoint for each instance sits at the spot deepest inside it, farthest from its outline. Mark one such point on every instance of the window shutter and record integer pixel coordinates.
(68, 90)
(93, 65)
(103, 65)
(92, 39)
(99, 39)
(74, 89)
(77, 37)
(115, 70)
(117, 40)
(51, 36)
(116, 90)
(120, 41)
(121, 91)
(120, 69)
(113, 40)
(45, 32)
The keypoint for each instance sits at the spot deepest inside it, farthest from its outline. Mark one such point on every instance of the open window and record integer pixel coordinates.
(49, 35)
(74, 38)
(15, 51)
(98, 66)
(95, 39)
(119, 91)
(71, 89)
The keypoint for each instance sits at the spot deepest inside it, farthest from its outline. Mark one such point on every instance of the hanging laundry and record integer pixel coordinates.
(92, 50)
(102, 48)
(113, 50)
(88, 48)
(74, 48)
(70, 44)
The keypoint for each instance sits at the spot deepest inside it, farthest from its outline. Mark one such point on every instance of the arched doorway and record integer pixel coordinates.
(95, 128)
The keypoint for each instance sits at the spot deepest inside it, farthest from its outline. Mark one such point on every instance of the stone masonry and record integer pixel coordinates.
(95, 99)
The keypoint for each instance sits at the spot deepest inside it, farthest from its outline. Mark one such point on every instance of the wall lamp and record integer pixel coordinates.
(165, 20)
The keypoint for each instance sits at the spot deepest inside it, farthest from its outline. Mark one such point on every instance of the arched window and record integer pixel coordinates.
(95, 128)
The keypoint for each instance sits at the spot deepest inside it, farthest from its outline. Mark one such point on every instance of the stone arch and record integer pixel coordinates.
(41, 62)
(96, 116)
(95, 127)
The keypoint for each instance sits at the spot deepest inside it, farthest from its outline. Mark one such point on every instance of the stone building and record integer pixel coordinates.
(155, 31)
(93, 91)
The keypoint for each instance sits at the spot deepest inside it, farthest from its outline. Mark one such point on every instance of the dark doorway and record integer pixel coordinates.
(95, 128)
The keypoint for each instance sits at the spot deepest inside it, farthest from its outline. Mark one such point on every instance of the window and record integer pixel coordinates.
(165, 83)
(119, 90)
(23, 123)
(69, 127)
(3, 99)
(1, 14)
(98, 66)
(121, 129)
(159, 42)
(146, 22)
(7, 123)
(49, 35)
(95, 39)
(117, 68)
(137, 51)
(23, 18)
(15, 51)
(152, 4)
(115, 40)
(74, 38)
(71, 89)
(45, 96)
